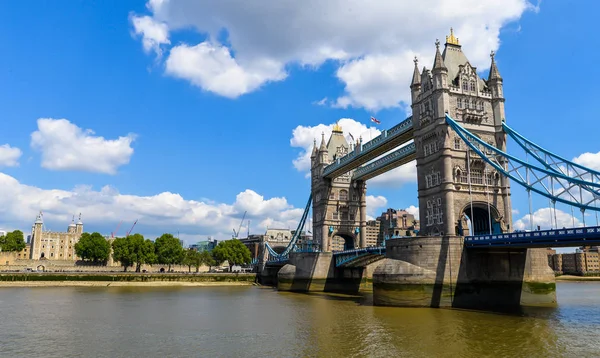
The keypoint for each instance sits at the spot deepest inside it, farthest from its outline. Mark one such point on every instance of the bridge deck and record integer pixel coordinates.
(386, 141)
(583, 236)
(391, 161)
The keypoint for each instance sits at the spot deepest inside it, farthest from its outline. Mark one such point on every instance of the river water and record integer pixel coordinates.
(261, 322)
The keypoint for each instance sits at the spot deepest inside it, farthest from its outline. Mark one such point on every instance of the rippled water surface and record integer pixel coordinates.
(255, 322)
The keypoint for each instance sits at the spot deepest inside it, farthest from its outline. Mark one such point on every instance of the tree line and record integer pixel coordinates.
(135, 250)
(12, 241)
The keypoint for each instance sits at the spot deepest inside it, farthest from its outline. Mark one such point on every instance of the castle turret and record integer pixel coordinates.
(79, 225)
(494, 83)
(415, 85)
(439, 71)
(72, 227)
(36, 237)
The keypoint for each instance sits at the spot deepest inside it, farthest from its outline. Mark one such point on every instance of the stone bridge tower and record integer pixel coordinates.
(443, 161)
(339, 204)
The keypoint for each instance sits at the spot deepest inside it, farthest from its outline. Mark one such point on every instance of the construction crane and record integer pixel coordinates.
(237, 234)
(112, 234)
(132, 226)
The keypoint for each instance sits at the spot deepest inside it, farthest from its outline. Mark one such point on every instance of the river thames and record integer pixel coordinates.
(256, 322)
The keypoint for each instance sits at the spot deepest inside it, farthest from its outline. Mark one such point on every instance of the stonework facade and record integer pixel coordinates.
(453, 182)
(54, 245)
(339, 205)
(581, 262)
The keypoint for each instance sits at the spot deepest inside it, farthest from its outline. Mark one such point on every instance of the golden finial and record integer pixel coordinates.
(452, 40)
(337, 128)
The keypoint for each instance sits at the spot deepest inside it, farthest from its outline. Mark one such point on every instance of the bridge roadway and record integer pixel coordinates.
(572, 237)
(386, 141)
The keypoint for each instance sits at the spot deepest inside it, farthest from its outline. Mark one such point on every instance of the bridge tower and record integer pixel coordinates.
(453, 183)
(339, 205)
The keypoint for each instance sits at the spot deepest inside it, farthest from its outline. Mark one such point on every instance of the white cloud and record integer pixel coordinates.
(414, 210)
(212, 68)
(374, 206)
(9, 156)
(154, 33)
(164, 212)
(589, 160)
(65, 146)
(397, 177)
(545, 219)
(375, 64)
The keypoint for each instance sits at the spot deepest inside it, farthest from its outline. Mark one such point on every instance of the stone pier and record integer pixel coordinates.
(316, 271)
(441, 272)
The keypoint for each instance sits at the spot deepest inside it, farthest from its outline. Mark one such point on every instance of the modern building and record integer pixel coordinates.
(584, 260)
(397, 223)
(373, 235)
(51, 245)
(206, 245)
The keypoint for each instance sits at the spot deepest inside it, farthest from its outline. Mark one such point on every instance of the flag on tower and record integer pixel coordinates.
(375, 120)
(351, 136)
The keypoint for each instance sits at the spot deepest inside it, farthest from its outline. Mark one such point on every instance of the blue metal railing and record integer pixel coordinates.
(552, 237)
(396, 155)
(384, 137)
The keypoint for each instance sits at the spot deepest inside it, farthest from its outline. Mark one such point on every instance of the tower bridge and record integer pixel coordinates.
(467, 254)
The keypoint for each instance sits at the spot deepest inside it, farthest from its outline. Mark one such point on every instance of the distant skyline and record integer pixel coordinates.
(184, 114)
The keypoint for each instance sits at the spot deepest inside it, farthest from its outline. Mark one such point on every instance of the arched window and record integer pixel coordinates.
(459, 103)
(457, 143)
(472, 87)
(465, 85)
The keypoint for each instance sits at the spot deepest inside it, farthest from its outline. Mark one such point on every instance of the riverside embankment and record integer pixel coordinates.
(122, 279)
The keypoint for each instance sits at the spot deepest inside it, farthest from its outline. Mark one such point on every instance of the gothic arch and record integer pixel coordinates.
(480, 219)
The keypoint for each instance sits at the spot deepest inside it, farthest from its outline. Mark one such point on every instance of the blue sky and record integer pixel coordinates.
(211, 105)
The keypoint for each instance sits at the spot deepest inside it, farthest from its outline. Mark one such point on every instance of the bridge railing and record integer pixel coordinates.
(398, 154)
(533, 235)
(384, 137)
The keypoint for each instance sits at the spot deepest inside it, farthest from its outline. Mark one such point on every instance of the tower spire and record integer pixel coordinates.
(416, 80)
(438, 63)
(315, 150)
(494, 73)
(323, 146)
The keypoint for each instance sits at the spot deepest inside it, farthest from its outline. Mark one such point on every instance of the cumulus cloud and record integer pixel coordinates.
(164, 212)
(212, 68)
(153, 33)
(413, 210)
(589, 160)
(374, 65)
(65, 146)
(303, 137)
(374, 206)
(544, 218)
(9, 156)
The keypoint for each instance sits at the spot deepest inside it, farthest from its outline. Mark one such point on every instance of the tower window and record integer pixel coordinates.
(332, 195)
(335, 215)
(480, 106)
(343, 195)
(457, 143)
(465, 85)
(472, 87)
(459, 103)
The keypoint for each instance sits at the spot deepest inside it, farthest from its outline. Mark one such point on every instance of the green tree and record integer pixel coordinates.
(232, 251)
(12, 241)
(206, 259)
(133, 249)
(93, 247)
(122, 252)
(192, 258)
(143, 251)
(169, 250)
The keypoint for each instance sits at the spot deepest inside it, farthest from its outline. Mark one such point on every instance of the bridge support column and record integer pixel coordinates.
(440, 272)
(363, 214)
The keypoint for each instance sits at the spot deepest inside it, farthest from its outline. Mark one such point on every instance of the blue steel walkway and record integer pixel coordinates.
(573, 237)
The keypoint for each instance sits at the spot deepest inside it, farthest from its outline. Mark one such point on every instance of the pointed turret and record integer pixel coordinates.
(79, 225)
(438, 62)
(416, 80)
(323, 147)
(494, 73)
(315, 151)
(38, 219)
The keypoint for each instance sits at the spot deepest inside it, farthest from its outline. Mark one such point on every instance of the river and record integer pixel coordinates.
(261, 322)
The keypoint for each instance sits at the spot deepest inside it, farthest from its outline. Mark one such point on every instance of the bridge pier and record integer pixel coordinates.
(441, 272)
(316, 272)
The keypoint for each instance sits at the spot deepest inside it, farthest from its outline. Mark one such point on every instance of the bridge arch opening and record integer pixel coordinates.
(278, 249)
(344, 241)
(477, 220)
